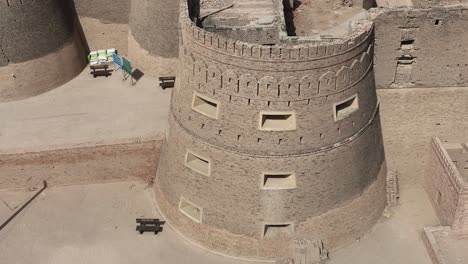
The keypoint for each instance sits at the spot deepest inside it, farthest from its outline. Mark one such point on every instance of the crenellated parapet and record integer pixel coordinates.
(281, 52)
(256, 84)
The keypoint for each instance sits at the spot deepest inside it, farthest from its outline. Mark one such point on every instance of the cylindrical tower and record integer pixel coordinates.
(40, 47)
(268, 144)
(153, 39)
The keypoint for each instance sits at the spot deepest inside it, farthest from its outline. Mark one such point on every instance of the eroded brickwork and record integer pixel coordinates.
(446, 184)
(268, 144)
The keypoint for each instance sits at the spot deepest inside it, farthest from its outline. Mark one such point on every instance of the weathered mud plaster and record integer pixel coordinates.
(421, 47)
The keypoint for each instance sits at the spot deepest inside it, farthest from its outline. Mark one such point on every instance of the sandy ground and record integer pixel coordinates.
(92, 224)
(451, 249)
(85, 110)
(397, 239)
(96, 224)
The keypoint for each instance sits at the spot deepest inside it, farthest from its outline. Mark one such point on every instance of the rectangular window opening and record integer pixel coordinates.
(191, 210)
(407, 44)
(277, 230)
(205, 105)
(279, 181)
(277, 121)
(346, 108)
(197, 163)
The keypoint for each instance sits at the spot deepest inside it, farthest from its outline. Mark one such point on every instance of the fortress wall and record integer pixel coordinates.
(37, 57)
(70, 165)
(214, 182)
(411, 117)
(153, 37)
(433, 52)
(105, 23)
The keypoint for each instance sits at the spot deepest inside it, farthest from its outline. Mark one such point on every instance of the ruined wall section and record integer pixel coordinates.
(153, 39)
(446, 186)
(39, 45)
(256, 154)
(443, 183)
(421, 47)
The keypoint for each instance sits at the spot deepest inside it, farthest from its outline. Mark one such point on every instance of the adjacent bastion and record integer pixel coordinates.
(40, 47)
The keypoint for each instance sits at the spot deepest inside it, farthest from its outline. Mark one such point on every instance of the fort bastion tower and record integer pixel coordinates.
(40, 47)
(272, 143)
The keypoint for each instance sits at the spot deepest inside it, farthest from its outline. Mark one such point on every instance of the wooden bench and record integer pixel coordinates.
(149, 225)
(167, 82)
(100, 69)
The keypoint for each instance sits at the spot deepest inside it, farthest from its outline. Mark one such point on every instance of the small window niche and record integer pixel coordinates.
(407, 44)
(346, 108)
(197, 163)
(278, 181)
(277, 121)
(272, 231)
(205, 105)
(190, 210)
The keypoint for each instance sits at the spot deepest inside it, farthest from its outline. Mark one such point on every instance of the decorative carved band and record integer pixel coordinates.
(269, 88)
